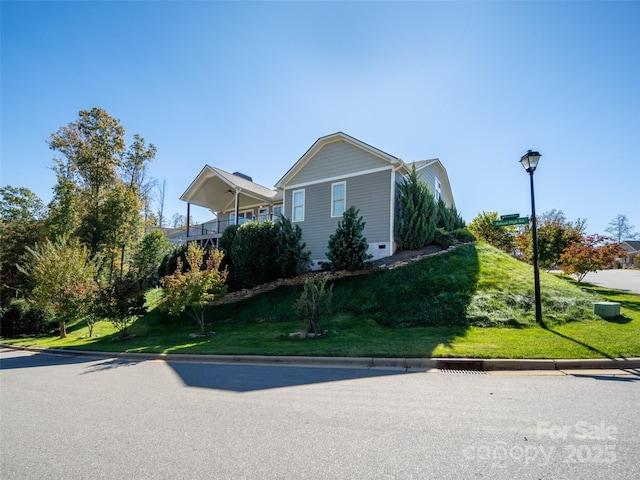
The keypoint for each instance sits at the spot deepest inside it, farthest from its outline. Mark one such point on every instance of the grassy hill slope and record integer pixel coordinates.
(474, 301)
(473, 285)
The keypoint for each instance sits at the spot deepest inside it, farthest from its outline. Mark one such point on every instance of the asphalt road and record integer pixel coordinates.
(82, 418)
(620, 279)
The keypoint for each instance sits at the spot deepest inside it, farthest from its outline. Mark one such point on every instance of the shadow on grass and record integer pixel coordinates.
(618, 319)
(578, 342)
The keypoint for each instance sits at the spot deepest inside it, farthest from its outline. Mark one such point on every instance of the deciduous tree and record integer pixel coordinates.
(121, 302)
(621, 229)
(500, 237)
(63, 272)
(102, 187)
(149, 255)
(555, 234)
(194, 290)
(21, 225)
(589, 255)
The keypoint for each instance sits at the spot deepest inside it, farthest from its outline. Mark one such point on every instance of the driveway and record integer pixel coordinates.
(627, 279)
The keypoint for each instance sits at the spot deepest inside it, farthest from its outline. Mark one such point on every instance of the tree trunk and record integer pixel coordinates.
(63, 330)
(122, 262)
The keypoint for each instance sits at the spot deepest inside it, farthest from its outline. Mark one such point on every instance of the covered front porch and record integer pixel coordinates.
(233, 198)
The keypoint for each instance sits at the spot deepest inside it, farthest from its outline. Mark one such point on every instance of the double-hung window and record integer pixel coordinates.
(297, 213)
(438, 190)
(338, 198)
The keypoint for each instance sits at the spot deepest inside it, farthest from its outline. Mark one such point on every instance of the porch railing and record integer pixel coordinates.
(215, 228)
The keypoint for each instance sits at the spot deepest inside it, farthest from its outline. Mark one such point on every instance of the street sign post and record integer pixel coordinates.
(511, 221)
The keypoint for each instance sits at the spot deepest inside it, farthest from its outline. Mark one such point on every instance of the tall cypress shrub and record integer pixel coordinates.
(291, 257)
(348, 248)
(417, 213)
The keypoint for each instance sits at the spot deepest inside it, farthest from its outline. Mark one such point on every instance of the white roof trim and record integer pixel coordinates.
(321, 142)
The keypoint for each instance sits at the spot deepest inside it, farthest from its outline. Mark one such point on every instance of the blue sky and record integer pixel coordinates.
(249, 86)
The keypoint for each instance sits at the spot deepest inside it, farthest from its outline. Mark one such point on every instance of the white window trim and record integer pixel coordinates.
(243, 216)
(293, 205)
(438, 189)
(344, 199)
(278, 206)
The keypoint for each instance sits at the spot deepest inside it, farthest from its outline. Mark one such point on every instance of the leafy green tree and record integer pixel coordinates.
(555, 234)
(417, 213)
(122, 226)
(102, 187)
(314, 304)
(21, 225)
(122, 302)
(348, 248)
(194, 290)
(66, 207)
(63, 272)
(149, 255)
(500, 237)
(134, 172)
(20, 204)
(291, 257)
(93, 147)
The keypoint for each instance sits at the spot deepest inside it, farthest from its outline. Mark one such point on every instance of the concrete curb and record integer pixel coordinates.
(359, 362)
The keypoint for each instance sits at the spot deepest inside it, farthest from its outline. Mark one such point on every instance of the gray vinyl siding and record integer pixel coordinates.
(429, 174)
(369, 193)
(336, 159)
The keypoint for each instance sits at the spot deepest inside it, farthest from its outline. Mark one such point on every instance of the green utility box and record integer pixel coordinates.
(606, 309)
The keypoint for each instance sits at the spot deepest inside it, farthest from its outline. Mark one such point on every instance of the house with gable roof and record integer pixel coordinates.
(337, 171)
(633, 249)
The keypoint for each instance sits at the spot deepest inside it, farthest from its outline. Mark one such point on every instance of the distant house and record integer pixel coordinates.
(337, 171)
(633, 248)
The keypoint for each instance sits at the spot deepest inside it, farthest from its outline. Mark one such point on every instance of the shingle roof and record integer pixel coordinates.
(245, 184)
(634, 244)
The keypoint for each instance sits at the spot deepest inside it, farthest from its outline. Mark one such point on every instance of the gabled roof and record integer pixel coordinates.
(215, 189)
(334, 137)
(424, 163)
(631, 246)
(244, 184)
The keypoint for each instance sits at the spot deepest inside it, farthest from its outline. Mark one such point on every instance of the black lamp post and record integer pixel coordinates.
(530, 161)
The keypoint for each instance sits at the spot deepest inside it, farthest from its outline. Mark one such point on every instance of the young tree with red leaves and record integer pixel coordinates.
(591, 254)
(195, 289)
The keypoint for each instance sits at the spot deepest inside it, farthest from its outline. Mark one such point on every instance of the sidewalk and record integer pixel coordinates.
(362, 362)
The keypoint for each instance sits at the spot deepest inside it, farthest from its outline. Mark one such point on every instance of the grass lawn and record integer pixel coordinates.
(492, 291)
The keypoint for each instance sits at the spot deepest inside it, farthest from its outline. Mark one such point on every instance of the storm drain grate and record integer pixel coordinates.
(466, 372)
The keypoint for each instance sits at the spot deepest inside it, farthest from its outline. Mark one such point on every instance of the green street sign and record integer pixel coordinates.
(511, 221)
(510, 216)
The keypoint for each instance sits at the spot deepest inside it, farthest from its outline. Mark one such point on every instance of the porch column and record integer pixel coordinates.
(237, 205)
(188, 215)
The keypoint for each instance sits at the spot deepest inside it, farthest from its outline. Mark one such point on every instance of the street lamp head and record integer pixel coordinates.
(530, 160)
